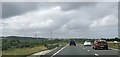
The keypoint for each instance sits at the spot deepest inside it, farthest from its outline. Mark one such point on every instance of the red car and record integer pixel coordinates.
(98, 44)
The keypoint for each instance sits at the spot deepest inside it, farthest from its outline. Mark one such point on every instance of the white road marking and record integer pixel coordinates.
(59, 51)
(96, 54)
(88, 50)
(83, 48)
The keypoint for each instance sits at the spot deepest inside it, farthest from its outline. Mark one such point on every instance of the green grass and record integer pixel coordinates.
(22, 47)
(114, 45)
(62, 44)
(24, 51)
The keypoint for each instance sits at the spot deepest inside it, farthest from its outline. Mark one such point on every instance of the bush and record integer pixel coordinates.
(21, 43)
(51, 46)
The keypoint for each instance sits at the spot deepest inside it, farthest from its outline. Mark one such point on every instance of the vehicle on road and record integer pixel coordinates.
(100, 44)
(115, 41)
(87, 43)
(72, 43)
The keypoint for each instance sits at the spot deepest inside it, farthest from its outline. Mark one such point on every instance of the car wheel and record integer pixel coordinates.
(95, 48)
(106, 48)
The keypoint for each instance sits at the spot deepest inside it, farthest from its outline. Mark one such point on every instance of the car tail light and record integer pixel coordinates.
(97, 44)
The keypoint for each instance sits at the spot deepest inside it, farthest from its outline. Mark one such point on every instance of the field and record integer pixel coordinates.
(28, 46)
(24, 51)
(114, 45)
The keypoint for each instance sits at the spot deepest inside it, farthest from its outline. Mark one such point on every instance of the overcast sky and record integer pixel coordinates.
(60, 0)
(61, 19)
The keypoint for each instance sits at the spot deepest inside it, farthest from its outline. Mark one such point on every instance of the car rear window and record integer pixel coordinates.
(104, 42)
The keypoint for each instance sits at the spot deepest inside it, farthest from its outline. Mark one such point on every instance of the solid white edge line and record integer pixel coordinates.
(59, 51)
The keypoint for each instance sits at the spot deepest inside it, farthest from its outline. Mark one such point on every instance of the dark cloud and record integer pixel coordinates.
(10, 9)
(16, 8)
(0, 10)
(73, 5)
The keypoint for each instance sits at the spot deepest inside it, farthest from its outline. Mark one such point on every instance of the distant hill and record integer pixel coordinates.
(20, 37)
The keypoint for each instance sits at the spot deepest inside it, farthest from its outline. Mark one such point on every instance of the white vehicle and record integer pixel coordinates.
(115, 41)
(87, 43)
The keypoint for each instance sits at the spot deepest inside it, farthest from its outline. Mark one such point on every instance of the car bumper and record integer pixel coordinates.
(100, 46)
(87, 44)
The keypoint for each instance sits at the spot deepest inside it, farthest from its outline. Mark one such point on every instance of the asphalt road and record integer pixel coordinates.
(81, 51)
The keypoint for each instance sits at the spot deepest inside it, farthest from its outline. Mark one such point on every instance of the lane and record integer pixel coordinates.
(82, 51)
(74, 50)
(85, 51)
(102, 52)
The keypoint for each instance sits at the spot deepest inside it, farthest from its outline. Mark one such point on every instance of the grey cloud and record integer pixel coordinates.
(72, 6)
(60, 0)
(17, 8)
(10, 9)
(0, 10)
(65, 19)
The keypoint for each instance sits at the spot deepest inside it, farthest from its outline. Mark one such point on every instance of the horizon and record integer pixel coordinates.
(64, 37)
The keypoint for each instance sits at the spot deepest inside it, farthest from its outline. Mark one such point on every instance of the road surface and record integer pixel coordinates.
(81, 51)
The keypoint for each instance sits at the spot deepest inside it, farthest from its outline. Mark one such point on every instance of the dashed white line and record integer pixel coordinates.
(88, 50)
(59, 51)
(96, 55)
(83, 48)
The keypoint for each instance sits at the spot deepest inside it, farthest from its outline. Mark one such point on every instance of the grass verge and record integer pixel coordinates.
(114, 45)
(23, 51)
